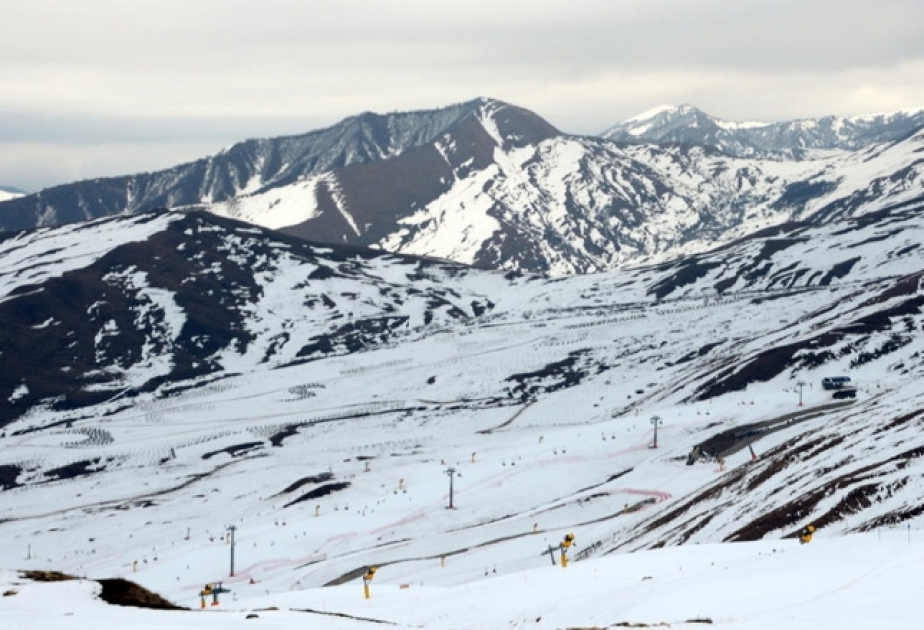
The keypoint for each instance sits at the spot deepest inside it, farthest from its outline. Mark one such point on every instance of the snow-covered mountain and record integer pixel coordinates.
(258, 165)
(132, 319)
(167, 375)
(795, 139)
(570, 205)
(182, 297)
(492, 185)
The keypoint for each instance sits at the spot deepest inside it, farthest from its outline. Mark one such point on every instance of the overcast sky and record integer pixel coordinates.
(90, 88)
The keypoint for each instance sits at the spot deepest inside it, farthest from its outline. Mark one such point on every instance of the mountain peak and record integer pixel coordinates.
(659, 124)
(648, 114)
(663, 112)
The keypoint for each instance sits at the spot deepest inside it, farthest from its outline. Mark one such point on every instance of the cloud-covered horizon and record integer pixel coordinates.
(103, 87)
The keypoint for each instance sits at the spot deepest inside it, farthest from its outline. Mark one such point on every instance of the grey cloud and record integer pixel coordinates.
(161, 72)
(95, 129)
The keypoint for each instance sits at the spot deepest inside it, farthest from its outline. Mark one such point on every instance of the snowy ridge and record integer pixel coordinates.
(246, 168)
(856, 582)
(648, 114)
(26, 259)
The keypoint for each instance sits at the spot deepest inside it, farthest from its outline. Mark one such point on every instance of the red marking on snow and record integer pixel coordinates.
(404, 521)
(660, 496)
(244, 576)
(341, 536)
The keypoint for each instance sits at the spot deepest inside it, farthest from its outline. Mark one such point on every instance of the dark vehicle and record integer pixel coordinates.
(845, 392)
(836, 382)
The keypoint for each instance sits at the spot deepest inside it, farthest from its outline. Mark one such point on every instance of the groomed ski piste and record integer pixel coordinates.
(858, 582)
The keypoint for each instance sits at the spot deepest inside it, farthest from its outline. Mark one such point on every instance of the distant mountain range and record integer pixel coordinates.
(789, 140)
(492, 185)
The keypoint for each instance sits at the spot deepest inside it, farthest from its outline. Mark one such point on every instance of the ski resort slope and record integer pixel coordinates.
(525, 477)
(453, 452)
(858, 582)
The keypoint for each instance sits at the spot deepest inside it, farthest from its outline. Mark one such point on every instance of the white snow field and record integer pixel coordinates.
(857, 582)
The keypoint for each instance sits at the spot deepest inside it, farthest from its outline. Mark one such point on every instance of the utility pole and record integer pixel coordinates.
(655, 421)
(231, 529)
(800, 385)
(450, 471)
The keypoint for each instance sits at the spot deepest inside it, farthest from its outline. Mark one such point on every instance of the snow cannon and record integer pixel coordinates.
(370, 573)
(565, 546)
(805, 536)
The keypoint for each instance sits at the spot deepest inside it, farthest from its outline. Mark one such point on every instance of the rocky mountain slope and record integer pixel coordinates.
(492, 185)
(245, 168)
